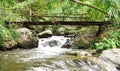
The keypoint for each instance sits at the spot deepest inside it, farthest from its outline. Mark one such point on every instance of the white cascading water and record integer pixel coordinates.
(47, 48)
(52, 45)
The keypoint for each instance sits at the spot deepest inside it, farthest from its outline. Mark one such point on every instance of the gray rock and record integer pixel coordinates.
(45, 34)
(112, 54)
(27, 38)
(111, 58)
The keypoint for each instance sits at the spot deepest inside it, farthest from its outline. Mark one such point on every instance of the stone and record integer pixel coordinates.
(8, 45)
(81, 53)
(112, 54)
(27, 38)
(45, 34)
(111, 58)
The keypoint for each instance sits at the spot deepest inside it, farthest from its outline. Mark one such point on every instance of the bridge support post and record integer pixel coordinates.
(99, 30)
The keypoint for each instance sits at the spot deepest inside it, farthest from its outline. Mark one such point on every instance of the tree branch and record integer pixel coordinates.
(89, 6)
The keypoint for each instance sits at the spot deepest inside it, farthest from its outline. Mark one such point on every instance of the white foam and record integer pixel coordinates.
(44, 46)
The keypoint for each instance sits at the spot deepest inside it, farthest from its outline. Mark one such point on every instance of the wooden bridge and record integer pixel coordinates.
(87, 21)
(83, 23)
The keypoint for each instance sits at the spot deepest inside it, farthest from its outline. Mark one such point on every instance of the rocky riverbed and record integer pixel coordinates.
(49, 56)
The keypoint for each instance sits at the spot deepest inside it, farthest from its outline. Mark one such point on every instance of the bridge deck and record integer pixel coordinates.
(84, 23)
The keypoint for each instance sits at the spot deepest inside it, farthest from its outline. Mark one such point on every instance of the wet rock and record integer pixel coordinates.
(91, 64)
(54, 41)
(112, 54)
(27, 38)
(108, 64)
(81, 53)
(68, 43)
(8, 45)
(107, 61)
(45, 34)
(111, 58)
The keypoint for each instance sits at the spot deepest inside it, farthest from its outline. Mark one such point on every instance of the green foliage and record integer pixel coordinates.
(113, 41)
(82, 45)
(14, 34)
(18, 10)
(112, 7)
(6, 34)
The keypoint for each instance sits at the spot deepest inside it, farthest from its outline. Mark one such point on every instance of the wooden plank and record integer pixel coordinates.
(84, 23)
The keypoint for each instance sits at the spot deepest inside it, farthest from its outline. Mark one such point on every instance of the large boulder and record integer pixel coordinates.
(27, 39)
(111, 58)
(45, 34)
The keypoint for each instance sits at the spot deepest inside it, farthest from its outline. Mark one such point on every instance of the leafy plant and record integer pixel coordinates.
(112, 7)
(111, 42)
(7, 35)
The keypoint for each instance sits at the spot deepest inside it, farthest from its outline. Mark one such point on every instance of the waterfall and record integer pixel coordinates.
(54, 41)
(52, 45)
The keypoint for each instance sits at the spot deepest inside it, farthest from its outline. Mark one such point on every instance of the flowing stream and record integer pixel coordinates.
(47, 57)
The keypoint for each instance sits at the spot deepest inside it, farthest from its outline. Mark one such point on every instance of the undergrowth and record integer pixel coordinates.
(7, 35)
(113, 41)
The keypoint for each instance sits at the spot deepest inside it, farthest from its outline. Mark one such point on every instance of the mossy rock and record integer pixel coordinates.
(27, 39)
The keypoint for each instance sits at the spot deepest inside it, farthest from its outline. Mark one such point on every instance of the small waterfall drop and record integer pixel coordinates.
(52, 45)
